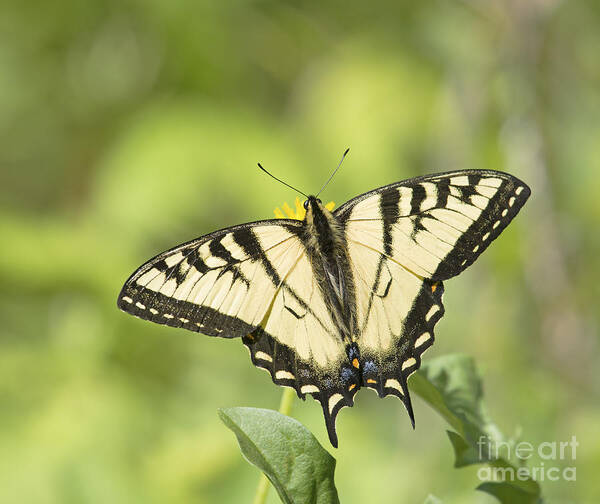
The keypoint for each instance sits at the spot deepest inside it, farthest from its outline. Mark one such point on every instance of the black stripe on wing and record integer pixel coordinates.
(389, 210)
(246, 239)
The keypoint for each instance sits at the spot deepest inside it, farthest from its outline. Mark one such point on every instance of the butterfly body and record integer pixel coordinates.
(326, 248)
(340, 300)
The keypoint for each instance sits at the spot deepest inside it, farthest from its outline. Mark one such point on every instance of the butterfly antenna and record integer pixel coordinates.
(334, 172)
(279, 180)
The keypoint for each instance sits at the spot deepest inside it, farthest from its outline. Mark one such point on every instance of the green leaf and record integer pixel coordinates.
(432, 499)
(452, 386)
(464, 453)
(299, 468)
(507, 493)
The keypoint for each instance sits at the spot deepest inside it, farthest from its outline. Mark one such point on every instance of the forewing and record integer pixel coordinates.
(436, 226)
(221, 284)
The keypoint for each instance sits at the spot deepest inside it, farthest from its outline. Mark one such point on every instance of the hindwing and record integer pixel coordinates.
(397, 312)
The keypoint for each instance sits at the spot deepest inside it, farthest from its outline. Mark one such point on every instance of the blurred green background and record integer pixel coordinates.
(129, 127)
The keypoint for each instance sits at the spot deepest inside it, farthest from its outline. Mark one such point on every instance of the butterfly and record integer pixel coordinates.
(340, 300)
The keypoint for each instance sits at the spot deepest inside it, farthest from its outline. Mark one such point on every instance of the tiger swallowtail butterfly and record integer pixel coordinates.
(339, 300)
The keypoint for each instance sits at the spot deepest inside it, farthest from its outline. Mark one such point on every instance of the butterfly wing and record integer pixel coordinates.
(256, 282)
(300, 346)
(404, 239)
(220, 284)
(397, 312)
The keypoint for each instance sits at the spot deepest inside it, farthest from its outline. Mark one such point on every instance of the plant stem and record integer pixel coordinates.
(285, 408)
(262, 490)
(287, 401)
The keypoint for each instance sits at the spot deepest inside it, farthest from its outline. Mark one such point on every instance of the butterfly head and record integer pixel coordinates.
(314, 209)
(311, 202)
(321, 225)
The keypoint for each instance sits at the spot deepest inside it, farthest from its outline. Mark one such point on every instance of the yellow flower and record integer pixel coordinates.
(297, 213)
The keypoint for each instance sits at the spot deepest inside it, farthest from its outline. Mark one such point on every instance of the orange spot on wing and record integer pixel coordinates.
(370, 380)
(351, 387)
(433, 287)
(355, 363)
